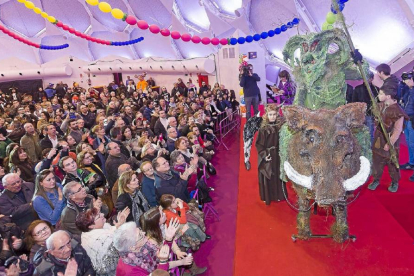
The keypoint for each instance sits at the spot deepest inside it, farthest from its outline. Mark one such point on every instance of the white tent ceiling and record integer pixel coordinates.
(381, 29)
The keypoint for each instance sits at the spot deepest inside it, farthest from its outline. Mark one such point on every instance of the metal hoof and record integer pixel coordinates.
(294, 238)
(248, 166)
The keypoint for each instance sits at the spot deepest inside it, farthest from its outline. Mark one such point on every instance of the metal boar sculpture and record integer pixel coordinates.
(325, 161)
(325, 149)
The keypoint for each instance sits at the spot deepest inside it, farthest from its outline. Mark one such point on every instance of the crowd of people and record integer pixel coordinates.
(102, 182)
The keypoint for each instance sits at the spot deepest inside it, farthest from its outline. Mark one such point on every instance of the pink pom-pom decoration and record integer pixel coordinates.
(205, 40)
(131, 20)
(65, 27)
(175, 35)
(196, 39)
(59, 24)
(154, 29)
(165, 32)
(186, 37)
(72, 30)
(142, 24)
(215, 41)
(223, 41)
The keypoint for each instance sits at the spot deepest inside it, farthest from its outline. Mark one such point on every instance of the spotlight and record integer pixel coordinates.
(120, 68)
(89, 69)
(151, 67)
(20, 74)
(38, 72)
(197, 66)
(71, 59)
(110, 68)
(184, 66)
(140, 68)
(99, 69)
(94, 76)
(2, 75)
(172, 66)
(161, 67)
(130, 68)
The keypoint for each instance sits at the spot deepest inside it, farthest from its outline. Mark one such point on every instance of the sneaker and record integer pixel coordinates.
(373, 185)
(407, 166)
(393, 187)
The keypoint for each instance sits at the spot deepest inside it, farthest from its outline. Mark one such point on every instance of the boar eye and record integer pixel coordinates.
(311, 135)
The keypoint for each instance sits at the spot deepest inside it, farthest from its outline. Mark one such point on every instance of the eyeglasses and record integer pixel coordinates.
(44, 229)
(80, 189)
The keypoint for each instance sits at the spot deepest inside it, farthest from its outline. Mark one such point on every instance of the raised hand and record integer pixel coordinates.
(172, 229)
(164, 253)
(122, 216)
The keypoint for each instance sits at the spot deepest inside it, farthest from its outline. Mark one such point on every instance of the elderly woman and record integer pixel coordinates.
(48, 200)
(129, 141)
(139, 256)
(149, 152)
(97, 239)
(36, 236)
(129, 195)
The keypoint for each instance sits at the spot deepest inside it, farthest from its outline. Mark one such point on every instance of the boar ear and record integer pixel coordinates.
(296, 116)
(353, 114)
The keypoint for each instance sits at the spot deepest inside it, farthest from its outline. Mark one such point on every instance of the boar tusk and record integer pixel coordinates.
(302, 180)
(360, 178)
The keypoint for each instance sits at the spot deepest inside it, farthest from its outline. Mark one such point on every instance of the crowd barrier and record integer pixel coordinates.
(225, 123)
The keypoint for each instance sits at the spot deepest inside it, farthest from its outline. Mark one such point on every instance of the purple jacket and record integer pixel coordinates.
(289, 92)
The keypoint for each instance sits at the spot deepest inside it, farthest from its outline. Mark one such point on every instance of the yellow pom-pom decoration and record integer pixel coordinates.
(330, 18)
(21, 1)
(44, 15)
(92, 2)
(51, 19)
(29, 5)
(327, 26)
(37, 10)
(117, 13)
(105, 7)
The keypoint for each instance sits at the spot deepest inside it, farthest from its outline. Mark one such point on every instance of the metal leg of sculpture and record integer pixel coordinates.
(303, 220)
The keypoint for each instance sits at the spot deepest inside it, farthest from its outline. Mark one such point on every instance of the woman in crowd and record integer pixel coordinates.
(139, 256)
(196, 148)
(97, 239)
(129, 141)
(71, 142)
(175, 208)
(19, 160)
(85, 161)
(153, 224)
(48, 200)
(181, 144)
(44, 120)
(36, 236)
(129, 195)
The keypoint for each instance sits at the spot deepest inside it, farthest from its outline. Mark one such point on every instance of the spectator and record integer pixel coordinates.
(48, 199)
(36, 236)
(161, 125)
(30, 142)
(62, 251)
(51, 140)
(115, 189)
(16, 200)
(20, 162)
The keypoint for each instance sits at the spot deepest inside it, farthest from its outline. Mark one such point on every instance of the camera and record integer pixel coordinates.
(8, 230)
(246, 70)
(59, 148)
(72, 115)
(406, 76)
(24, 265)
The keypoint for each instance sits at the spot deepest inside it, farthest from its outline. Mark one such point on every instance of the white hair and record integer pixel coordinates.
(67, 190)
(6, 178)
(125, 237)
(50, 241)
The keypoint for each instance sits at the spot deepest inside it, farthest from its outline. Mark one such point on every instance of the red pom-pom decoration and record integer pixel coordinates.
(223, 41)
(175, 35)
(131, 20)
(154, 29)
(215, 41)
(72, 30)
(77, 33)
(186, 37)
(65, 27)
(205, 40)
(196, 39)
(165, 32)
(59, 24)
(142, 24)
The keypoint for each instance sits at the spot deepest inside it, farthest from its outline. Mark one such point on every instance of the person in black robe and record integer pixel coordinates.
(267, 145)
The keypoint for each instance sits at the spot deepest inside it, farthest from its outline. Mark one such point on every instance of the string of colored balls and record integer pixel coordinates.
(186, 37)
(53, 20)
(30, 43)
(331, 17)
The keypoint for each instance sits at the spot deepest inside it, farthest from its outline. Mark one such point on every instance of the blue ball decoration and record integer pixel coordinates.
(278, 31)
(295, 21)
(241, 40)
(256, 37)
(142, 38)
(283, 28)
(264, 35)
(341, 8)
(249, 38)
(289, 25)
(342, 1)
(271, 33)
(233, 41)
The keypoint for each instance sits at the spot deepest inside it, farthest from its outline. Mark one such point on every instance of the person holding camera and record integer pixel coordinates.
(251, 91)
(409, 126)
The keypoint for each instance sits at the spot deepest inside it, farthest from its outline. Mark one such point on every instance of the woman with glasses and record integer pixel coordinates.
(129, 195)
(97, 237)
(36, 236)
(48, 200)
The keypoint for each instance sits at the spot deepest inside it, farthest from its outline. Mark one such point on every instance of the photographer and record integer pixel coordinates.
(409, 130)
(251, 91)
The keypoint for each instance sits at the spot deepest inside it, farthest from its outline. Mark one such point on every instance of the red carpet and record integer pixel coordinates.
(383, 223)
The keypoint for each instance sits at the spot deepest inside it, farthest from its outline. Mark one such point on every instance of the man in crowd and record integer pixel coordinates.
(30, 142)
(51, 139)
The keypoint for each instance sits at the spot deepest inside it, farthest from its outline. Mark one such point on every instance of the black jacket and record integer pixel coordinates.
(174, 186)
(249, 84)
(361, 95)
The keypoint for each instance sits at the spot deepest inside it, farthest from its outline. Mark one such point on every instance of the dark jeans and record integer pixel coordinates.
(249, 102)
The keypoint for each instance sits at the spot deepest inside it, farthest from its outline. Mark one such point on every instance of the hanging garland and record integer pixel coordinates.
(331, 17)
(186, 37)
(28, 42)
(53, 20)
